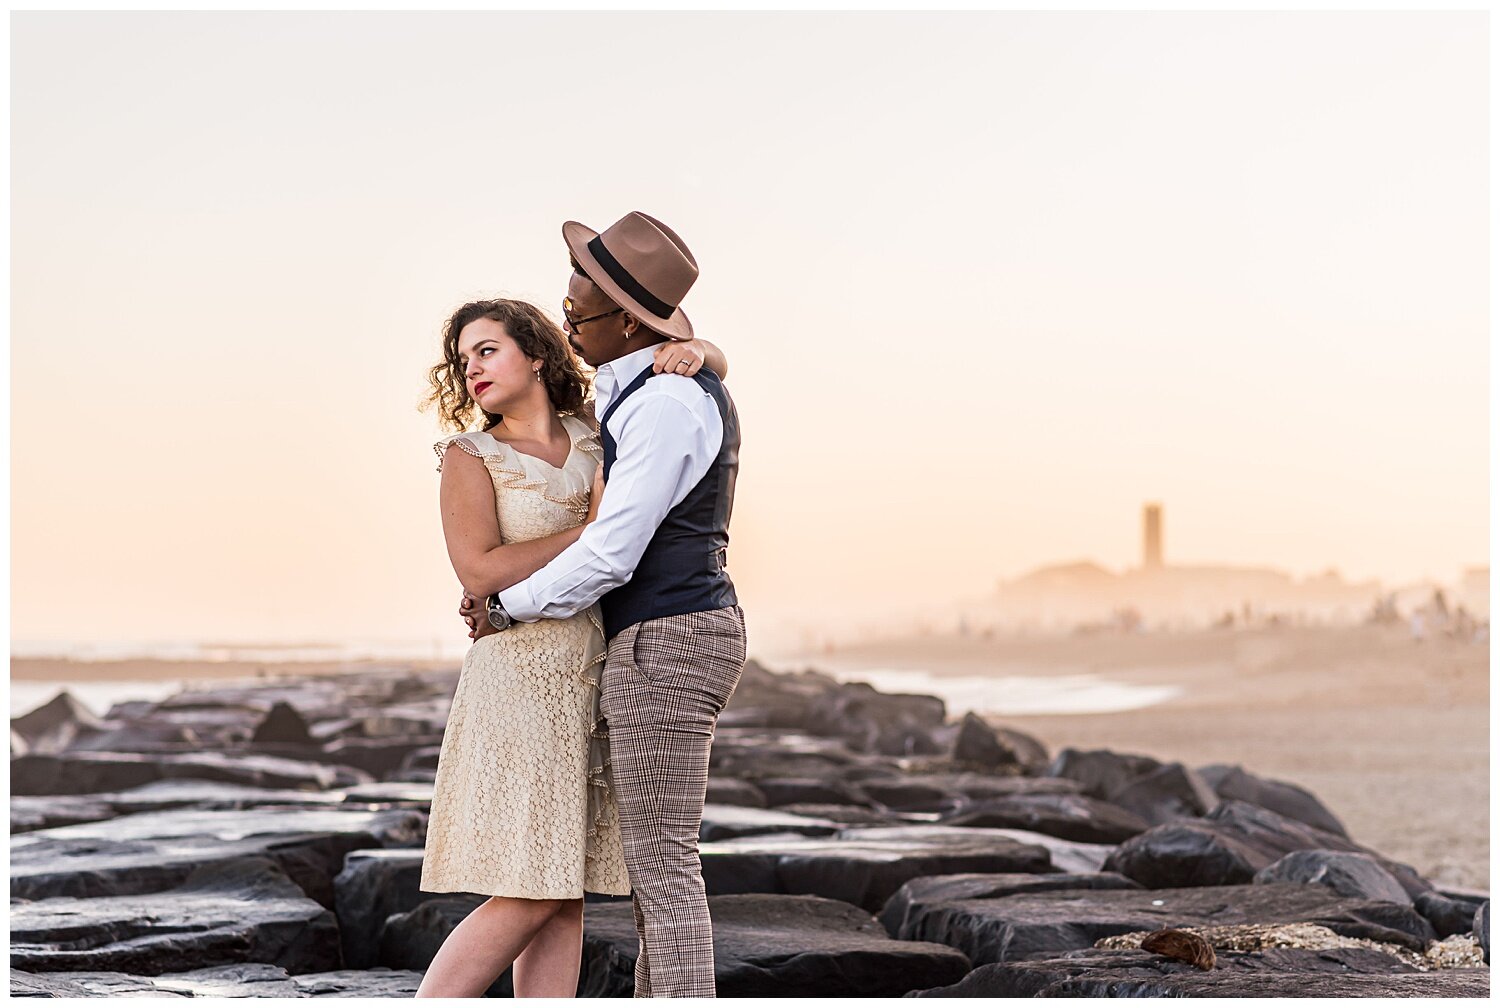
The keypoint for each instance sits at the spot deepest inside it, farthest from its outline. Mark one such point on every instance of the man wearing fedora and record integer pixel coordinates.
(654, 561)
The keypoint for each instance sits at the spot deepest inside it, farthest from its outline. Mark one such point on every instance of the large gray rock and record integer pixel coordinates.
(1277, 972)
(240, 980)
(1236, 783)
(776, 946)
(57, 724)
(313, 697)
(247, 980)
(378, 757)
(733, 742)
(381, 983)
(979, 787)
(410, 940)
(244, 911)
(1029, 751)
(1448, 915)
(913, 795)
(783, 714)
(28, 812)
(920, 893)
(282, 725)
(1348, 873)
(1482, 928)
(1101, 772)
(216, 728)
(87, 984)
(725, 822)
(34, 812)
(187, 792)
(1065, 855)
(1026, 924)
(780, 791)
(848, 815)
(732, 791)
(396, 794)
(1169, 792)
(895, 724)
(373, 885)
(858, 868)
(974, 743)
(147, 735)
(152, 851)
(420, 760)
(92, 772)
(766, 699)
(952, 793)
(755, 754)
(1069, 816)
(1229, 846)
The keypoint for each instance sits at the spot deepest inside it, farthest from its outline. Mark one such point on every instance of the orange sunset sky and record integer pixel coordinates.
(986, 283)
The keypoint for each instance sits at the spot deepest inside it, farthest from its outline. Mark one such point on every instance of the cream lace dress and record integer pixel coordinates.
(521, 805)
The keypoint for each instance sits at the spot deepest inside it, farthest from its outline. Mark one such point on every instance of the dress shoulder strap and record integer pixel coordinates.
(476, 443)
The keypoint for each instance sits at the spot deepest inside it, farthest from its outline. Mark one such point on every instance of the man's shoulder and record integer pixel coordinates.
(673, 393)
(674, 386)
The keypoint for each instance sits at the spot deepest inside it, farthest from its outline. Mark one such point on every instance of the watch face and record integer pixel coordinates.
(499, 618)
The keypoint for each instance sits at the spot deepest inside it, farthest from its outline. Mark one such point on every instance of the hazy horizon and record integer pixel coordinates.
(987, 283)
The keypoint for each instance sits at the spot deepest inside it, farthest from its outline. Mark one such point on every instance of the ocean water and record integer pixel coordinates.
(1002, 695)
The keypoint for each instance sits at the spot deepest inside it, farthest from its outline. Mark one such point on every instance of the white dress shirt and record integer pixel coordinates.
(666, 435)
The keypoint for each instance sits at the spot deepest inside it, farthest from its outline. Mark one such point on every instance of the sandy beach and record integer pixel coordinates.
(1391, 733)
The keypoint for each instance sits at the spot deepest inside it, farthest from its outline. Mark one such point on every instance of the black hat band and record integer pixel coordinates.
(628, 283)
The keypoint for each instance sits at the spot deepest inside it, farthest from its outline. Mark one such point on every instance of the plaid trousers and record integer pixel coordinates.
(665, 682)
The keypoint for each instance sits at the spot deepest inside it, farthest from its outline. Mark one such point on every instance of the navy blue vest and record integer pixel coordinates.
(682, 570)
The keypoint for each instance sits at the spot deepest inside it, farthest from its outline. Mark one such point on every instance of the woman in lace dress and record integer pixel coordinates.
(521, 807)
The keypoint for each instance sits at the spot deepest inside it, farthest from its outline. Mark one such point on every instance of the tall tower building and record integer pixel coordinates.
(1151, 545)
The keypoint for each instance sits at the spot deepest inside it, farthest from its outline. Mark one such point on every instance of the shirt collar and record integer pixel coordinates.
(612, 376)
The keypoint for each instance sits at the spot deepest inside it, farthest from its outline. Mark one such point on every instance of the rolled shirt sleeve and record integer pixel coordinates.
(665, 442)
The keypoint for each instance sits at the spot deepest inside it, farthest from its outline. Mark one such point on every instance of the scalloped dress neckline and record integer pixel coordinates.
(572, 445)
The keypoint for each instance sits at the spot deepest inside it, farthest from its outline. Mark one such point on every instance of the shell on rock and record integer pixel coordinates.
(1181, 945)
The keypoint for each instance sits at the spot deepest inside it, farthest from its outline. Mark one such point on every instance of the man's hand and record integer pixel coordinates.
(472, 611)
(679, 357)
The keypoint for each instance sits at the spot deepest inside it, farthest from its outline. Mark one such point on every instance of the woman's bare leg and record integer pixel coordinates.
(483, 945)
(548, 967)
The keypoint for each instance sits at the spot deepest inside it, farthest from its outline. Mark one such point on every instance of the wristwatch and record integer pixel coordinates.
(499, 618)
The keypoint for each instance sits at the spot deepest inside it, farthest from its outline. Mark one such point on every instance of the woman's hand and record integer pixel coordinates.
(595, 496)
(684, 358)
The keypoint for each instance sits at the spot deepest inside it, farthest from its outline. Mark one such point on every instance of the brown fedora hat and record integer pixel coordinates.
(642, 265)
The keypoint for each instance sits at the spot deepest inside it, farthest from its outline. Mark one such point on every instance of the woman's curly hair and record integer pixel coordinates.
(539, 339)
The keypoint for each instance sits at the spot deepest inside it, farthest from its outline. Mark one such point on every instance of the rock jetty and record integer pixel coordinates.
(264, 839)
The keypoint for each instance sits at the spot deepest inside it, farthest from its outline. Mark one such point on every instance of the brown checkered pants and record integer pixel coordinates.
(665, 682)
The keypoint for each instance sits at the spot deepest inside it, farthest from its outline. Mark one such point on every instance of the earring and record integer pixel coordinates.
(537, 372)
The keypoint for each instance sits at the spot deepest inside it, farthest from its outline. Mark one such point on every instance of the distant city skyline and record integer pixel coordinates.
(987, 283)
